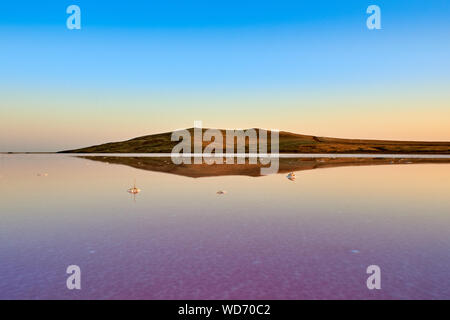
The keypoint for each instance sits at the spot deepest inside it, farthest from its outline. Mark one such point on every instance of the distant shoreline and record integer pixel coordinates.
(244, 155)
(31, 152)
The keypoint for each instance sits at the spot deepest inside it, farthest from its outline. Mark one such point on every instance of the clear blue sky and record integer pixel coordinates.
(222, 44)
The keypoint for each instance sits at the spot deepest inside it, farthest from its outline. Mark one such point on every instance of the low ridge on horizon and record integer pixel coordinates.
(288, 143)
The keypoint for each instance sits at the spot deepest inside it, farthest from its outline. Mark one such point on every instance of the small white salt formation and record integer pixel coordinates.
(291, 176)
(134, 190)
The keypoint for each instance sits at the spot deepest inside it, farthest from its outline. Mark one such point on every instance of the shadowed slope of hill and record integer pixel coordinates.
(288, 143)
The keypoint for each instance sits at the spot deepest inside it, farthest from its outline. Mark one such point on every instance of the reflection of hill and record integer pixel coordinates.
(286, 165)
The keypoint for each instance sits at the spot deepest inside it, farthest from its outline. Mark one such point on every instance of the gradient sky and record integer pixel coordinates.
(141, 67)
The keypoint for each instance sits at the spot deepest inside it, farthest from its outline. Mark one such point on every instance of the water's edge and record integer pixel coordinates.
(246, 155)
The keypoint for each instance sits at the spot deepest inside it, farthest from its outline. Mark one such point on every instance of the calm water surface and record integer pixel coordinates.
(267, 238)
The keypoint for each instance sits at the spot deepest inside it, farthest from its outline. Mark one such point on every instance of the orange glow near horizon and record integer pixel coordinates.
(53, 123)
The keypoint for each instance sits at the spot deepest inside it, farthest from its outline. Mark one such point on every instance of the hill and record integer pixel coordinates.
(288, 143)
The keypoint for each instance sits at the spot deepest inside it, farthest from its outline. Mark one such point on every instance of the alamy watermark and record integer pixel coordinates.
(74, 20)
(74, 280)
(236, 143)
(226, 146)
(374, 280)
(374, 20)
